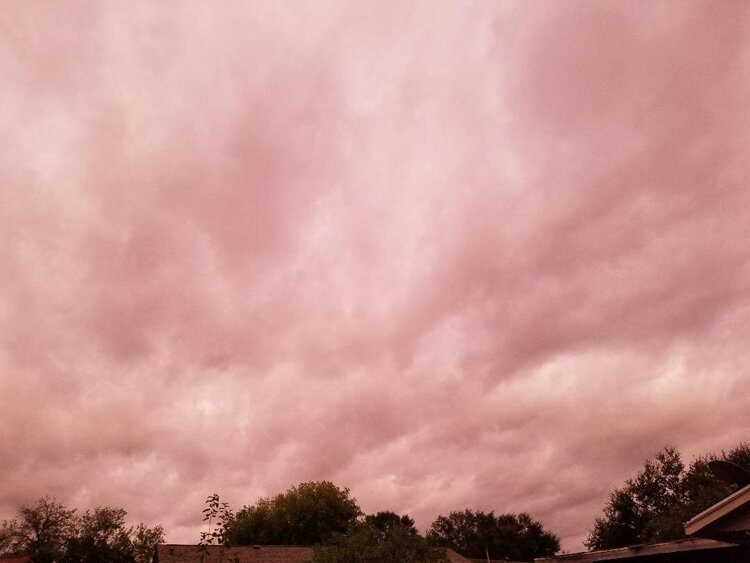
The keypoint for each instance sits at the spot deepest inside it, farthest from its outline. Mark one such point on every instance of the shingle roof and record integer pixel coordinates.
(171, 553)
(239, 554)
(454, 557)
(643, 550)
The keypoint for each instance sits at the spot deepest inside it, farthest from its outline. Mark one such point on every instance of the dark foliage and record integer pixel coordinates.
(50, 533)
(385, 521)
(478, 534)
(41, 531)
(653, 506)
(391, 542)
(308, 514)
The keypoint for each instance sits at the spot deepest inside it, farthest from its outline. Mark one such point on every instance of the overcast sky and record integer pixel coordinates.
(448, 254)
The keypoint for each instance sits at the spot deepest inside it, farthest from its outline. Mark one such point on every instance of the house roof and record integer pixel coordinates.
(454, 557)
(727, 518)
(173, 553)
(643, 550)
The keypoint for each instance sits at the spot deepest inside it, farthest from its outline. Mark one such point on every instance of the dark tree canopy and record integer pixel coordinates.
(653, 506)
(389, 542)
(385, 521)
(50, 533)
(102, 537)
(143, 539)
(41, 531)
(308, 514)
(478, 534)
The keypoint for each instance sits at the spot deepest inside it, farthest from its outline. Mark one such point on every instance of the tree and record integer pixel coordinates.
(219, 518)
(385, 521)
(102, 537)
(479, 534)
(653, 506)
(395, 542)
(50, 533)
(308, 514)
(143, 539)
(41, 531)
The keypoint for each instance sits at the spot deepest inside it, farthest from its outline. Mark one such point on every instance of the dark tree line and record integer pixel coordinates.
(324, 515)
(315, 513)
(653, 506)
(51, 533)
(479, 534)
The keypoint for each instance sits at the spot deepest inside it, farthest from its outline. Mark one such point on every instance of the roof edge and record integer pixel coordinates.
(674, 546)
(717, 510)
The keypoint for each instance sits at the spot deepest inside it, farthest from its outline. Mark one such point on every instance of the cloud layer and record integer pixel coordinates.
(449, 255)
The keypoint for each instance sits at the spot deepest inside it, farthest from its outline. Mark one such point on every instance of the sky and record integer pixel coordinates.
(447, 254)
